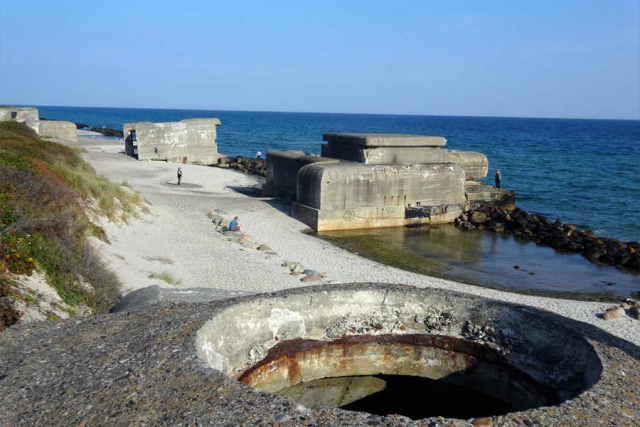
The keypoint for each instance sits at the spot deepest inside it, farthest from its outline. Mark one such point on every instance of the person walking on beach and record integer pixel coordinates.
(259, 155)
(498, 177)
(234, 225)
(179, 175)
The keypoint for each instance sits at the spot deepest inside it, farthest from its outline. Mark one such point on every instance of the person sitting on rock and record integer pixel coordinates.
(234, 225)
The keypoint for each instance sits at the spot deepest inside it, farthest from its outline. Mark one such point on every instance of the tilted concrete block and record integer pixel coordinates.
(349, 195)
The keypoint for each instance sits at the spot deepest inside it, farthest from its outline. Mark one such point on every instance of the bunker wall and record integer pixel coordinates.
(54, 129)
(187, 141)
(282, 172)
(18, 114)
(352, 196)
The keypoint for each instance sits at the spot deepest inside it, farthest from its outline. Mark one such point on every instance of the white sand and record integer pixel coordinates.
(179, 239)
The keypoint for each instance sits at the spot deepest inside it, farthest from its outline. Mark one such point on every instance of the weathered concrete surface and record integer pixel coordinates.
(155, 295)
(350, 196)
(141, 367)
(477, 194)
(186, 141)
(475, 165)
(282, 172)
(384, 140)
(392, 149)
(54, 129)
(18, 114)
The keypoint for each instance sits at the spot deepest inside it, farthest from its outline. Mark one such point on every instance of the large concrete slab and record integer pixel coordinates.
(282, 172)
(350, 195)
(475, 165)
(54, 129)
(384, 139)
(186, 141)
(143, 367)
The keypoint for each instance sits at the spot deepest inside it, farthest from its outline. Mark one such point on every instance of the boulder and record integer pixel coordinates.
(613, 313)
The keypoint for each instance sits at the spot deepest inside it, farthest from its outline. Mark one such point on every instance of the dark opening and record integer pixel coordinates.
(417, 397)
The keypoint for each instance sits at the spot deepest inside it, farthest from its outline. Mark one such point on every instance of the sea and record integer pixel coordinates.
(582, 171)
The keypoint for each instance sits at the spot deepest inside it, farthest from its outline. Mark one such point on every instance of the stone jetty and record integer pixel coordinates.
(556, 234)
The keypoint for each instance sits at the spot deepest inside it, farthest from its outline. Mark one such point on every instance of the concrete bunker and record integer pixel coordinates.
(30, 116)
(345, 347)
(354, 196)
(187, 141)
(370, 180)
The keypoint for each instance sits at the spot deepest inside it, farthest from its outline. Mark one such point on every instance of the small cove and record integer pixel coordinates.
(487, 259)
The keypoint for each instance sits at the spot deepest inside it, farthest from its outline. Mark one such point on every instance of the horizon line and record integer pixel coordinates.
(328, 112)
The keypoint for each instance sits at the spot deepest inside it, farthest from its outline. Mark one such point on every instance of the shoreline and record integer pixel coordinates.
(179, 239)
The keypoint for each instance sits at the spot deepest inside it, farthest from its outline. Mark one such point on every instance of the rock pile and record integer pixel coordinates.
(629, 306)
(295, 268)
(244, 164)
(118, 133)
(543, 231)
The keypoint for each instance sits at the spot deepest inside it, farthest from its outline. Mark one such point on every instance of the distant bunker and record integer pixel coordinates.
(30, 116)
(370, 180)
(187, 141)
(379, 349)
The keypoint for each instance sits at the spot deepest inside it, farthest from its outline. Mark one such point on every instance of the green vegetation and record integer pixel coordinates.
(46, 194)
(165, 277)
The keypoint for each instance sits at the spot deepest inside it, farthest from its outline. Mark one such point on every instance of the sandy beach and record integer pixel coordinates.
(179, 239)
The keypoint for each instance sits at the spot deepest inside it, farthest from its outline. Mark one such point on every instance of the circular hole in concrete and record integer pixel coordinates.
(398, 350)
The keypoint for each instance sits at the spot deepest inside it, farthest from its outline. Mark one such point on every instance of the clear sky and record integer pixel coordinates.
(526, 58)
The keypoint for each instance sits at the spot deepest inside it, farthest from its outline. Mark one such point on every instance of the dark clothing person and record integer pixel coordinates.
(259, 155)
(498, 177)
(179, 175)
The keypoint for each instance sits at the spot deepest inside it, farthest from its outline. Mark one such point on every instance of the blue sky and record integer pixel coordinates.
(540, 58)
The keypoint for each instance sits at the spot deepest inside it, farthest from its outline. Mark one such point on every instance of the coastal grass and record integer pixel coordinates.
(47, 196)
(165, 277)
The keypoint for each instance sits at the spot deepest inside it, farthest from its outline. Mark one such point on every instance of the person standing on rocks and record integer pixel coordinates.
(498, 177)
(259, 155)
(179, 175)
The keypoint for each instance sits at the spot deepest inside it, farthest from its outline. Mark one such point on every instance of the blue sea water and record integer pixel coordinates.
(585, 172)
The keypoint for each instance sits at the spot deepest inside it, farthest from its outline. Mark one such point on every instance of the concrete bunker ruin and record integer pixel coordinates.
(335, 349)
(30, 116)
(369, 180)
(187, 141)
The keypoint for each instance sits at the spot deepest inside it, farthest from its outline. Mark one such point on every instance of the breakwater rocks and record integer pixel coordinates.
(555, 234)
(244, 164)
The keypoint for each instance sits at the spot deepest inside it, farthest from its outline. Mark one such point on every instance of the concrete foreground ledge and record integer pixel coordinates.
(141, 367)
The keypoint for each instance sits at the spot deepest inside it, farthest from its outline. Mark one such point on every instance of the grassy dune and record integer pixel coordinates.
(47, 196)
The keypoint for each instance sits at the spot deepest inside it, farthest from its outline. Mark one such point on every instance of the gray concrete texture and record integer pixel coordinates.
(483, 339)
(54, 129)
(475, 165)
(155, 366)
(187, 141)
(351, 195)
(384, 140)
(282, 172)
(18, 114)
